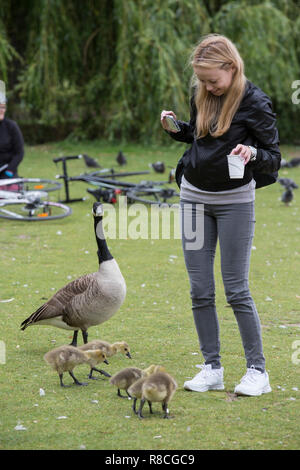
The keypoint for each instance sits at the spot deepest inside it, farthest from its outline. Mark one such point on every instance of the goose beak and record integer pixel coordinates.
(128, 355)
(106, 361)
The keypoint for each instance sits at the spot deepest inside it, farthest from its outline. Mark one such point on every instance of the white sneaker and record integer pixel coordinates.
(254, 383)
(207, 379)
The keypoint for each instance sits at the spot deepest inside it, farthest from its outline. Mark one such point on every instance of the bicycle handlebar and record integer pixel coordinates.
(2, 168)
(71, 157)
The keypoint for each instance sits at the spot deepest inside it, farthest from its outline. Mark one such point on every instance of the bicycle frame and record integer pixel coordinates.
(22, 195)
(90, 178)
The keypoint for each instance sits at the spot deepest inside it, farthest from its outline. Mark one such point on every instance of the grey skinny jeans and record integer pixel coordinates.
(233, 225)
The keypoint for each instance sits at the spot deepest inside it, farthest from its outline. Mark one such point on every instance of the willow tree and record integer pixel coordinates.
(268, 41)
(7, 52)
(109, 66)
(153, 43)
(48, 82)
(264, 37)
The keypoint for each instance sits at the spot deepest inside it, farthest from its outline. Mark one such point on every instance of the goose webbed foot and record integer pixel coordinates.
(103, 372)
(97, 370)
(90, 377)
(77, 381)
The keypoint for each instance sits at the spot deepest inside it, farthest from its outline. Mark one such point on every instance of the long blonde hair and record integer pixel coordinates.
(215, 113)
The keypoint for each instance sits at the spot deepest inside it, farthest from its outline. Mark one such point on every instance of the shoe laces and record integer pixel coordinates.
(205, 370)
(251, 375)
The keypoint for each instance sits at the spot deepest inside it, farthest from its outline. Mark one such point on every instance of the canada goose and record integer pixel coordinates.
(158, 387)
(89, 300)
(108, 349)
(135, 390)
(65, 358)
(126, 377)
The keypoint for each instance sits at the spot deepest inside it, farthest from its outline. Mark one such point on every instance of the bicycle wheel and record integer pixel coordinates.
(31, 184)
(33, 211)
(160, 196)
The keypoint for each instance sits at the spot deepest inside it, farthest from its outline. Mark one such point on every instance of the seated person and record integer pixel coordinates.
(11, 145)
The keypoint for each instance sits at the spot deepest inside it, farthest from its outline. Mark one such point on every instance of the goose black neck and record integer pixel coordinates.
(103, 251)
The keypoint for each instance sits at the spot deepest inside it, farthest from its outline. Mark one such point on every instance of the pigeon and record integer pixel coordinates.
(158, 167)
(294, 162)
(121, 159)
(288, 183)
(91, 162)
(287, 196)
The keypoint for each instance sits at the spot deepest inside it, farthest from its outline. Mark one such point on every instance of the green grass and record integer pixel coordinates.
(155, 320)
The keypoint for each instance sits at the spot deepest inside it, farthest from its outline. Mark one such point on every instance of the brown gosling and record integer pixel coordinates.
(107, 348)
(66, 358)
(135, 390)
(158, 387)
(126, 377)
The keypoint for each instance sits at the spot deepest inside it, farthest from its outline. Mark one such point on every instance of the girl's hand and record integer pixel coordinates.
(243, 151)
(164, 121)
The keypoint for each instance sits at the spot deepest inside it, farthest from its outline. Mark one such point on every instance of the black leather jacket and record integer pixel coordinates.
(204, 164)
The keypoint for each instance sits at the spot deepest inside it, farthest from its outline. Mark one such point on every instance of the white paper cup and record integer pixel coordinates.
(236, 166)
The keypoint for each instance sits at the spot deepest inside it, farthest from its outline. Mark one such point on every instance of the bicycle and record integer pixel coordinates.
(94, 178)
(109, 188)
(145, 192)
(30, 202)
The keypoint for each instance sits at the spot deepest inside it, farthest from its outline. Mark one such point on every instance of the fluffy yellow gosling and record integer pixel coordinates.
(66, 358)
(126, 377)
(109, 349)
(135, 390)
(158, 387)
